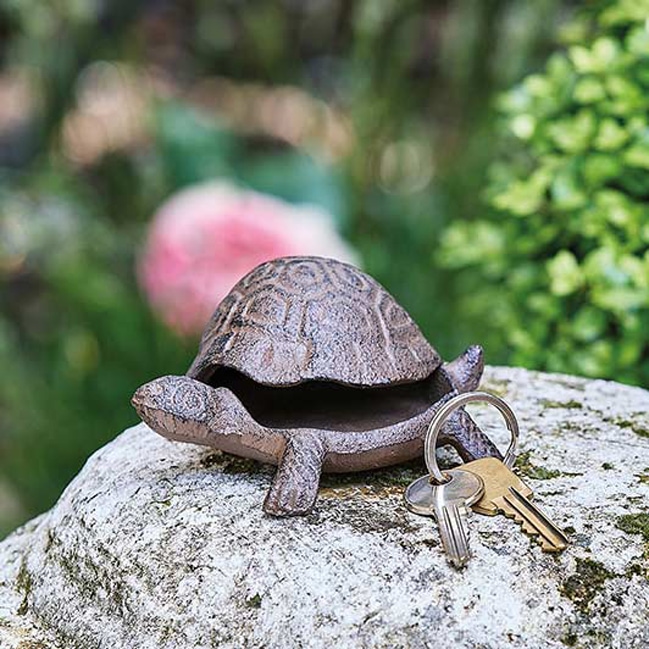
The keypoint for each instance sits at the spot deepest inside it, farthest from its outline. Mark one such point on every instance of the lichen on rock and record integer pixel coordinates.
(163, 545)
(587, 580)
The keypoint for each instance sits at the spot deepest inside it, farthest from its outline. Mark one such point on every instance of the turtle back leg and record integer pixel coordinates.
(295, 486)
(460, 431)
(463, 434)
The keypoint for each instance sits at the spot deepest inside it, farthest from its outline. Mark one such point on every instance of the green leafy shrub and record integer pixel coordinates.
(558, 271)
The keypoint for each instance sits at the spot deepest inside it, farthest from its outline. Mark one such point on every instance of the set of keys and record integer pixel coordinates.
(486, 486)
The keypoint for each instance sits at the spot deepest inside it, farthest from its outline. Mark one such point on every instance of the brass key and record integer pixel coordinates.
(505, 493)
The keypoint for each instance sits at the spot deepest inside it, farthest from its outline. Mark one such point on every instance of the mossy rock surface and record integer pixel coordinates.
(163, 545)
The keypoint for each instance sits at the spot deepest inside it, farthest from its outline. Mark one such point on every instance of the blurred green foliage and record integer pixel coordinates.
(559, 269)
(413, 82)
(74, 335)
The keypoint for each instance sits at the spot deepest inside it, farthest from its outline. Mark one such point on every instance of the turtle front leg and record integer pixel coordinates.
(295, 486)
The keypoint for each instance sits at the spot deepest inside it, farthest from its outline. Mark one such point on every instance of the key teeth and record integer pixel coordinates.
(532, 532)
(526, 526)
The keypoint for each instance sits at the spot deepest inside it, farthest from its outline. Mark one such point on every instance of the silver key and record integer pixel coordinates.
(449, 503)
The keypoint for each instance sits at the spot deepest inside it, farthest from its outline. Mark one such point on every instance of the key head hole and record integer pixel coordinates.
(462, 490)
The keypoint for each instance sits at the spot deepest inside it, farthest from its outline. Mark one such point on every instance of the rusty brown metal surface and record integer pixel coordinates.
(312, 365)
(300, 319)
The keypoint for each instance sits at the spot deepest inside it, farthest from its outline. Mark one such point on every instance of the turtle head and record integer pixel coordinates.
(172, 406)
(186, 410)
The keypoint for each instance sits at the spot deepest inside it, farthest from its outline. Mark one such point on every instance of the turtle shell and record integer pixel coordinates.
(298, 319)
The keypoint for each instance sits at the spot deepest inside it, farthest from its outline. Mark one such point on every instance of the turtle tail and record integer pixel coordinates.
(466, 370)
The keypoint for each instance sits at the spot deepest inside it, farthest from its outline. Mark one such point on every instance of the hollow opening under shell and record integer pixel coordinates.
(328, 405)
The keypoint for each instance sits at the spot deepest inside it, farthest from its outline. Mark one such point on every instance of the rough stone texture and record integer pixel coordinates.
(161, 545)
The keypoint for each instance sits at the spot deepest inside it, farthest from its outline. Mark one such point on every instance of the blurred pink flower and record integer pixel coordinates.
(205, 238)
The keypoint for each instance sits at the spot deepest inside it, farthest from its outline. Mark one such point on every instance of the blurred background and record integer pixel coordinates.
(488, 162)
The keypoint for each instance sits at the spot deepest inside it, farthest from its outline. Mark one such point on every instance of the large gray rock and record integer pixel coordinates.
(164, 545)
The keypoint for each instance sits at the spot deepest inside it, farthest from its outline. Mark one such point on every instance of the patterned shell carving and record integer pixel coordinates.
(300, 319)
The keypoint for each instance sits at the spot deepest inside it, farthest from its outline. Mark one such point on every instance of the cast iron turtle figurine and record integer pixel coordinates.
(310, 364)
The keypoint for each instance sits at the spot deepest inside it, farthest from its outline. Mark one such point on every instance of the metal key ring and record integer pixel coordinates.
(445, 412)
